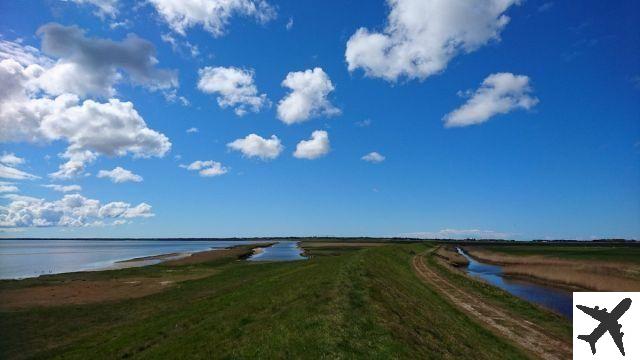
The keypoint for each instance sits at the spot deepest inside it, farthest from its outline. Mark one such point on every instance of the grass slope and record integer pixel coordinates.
(354, 304)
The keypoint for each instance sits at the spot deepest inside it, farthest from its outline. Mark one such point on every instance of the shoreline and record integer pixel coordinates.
(173, 258)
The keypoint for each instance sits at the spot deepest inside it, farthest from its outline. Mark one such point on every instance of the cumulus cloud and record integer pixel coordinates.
(64, 188)
(206, 168)
(458, 234)
(72, 210)
(422, 36)
(235, 88)
(11, 159)
(104, 8)
(119, 175)
(314, 148)
(373, 157)
(499, 93)
(256, 146)
(90, 128)
(308, 96)
(6, 187)
(90, 66)
(212, 15)
(192, 130)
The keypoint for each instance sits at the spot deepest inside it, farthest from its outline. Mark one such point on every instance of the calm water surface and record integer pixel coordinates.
(558, 300)
(282, 251)
(31, 258)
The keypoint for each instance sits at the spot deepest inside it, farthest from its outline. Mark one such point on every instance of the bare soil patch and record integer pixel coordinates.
(78, 291)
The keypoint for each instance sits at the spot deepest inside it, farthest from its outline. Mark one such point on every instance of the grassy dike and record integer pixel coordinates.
(366, 303)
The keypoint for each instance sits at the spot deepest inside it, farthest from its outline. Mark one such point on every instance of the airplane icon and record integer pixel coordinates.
(608, 322)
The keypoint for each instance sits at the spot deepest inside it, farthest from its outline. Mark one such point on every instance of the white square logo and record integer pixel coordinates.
(606, 325)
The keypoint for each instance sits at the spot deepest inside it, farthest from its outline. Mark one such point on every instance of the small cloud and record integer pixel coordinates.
(308, 98)
(363, 123)
(256, 146)
(206, 168)
(289, 24)
(120, 24)
(373, 157)
(63, 188)
(499, 93)
(545, 7)
(173, 97)
(119, 175)
(192, 130)
(315, 147)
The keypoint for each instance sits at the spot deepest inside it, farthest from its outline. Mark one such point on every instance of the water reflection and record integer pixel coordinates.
(558, 300)
(31, 258)
(281, 251)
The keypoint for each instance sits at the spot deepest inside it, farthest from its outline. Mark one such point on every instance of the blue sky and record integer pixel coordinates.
(549, 147)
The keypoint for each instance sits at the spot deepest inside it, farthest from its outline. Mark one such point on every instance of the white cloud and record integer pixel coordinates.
(72, 210)
(11, 159)
(7, 172)
(212, 15)
(104, 7)
(308, 96)
(235, 88)
(6, 187)
(499, 94)
(289, 24)
(181, 46)
(64, 188)
(255, 146)
(364, 123)
(173, 97)
(206, 168)
(373, 157)
(459, 234)
(314, 148)
(90, 128)
(422, 36)
(119, 175)
(192, 130)
(90, 66)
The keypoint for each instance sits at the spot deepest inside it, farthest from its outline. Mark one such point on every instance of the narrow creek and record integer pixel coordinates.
(555, 299)
(280, 251)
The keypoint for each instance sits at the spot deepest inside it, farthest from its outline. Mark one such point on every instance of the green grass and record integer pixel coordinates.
(354, 304)
(611, 253)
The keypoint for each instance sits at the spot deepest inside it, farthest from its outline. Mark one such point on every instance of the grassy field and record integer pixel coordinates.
(342, 303)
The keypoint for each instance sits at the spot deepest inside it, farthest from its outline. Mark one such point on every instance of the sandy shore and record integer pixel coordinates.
(93, 287)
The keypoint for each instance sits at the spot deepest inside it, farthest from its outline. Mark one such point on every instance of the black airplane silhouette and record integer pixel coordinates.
(608, 322)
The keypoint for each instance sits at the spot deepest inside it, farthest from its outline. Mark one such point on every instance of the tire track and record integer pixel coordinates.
(524, 333)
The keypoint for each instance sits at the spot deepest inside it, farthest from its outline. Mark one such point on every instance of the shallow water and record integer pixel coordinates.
(282, 251)
(31, 258)
(558, 300)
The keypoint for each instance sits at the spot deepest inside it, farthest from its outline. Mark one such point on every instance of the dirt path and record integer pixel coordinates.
(527, 335)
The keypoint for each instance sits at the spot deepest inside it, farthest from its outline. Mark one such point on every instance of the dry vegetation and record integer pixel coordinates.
(582, 274)
(451, 256)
